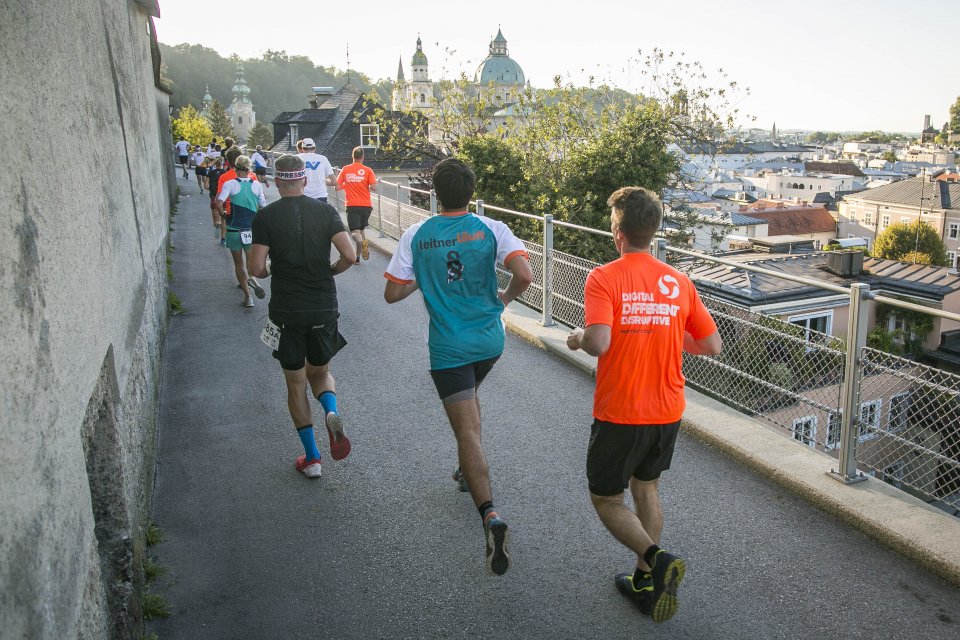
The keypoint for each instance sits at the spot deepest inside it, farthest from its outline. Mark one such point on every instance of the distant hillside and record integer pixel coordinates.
(278, 81)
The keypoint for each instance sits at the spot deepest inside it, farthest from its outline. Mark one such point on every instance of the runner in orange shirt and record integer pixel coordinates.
(640, 316)
(357, 181)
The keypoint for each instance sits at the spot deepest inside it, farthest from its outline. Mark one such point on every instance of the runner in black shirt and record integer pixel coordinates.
(214, 171)
(296, 233)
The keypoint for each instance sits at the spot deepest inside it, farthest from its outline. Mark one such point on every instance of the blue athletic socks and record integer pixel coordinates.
(328, 400)
(309, 442)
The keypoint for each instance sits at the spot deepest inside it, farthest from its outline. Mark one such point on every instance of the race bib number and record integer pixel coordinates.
(246, 237)
(270, 335)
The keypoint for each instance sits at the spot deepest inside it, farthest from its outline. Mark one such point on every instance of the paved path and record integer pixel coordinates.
(383, 546)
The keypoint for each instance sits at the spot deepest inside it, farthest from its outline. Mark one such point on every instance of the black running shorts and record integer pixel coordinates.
(461, 383)
(314, 344)
(183, 160)
(619, 451)
(358, 217)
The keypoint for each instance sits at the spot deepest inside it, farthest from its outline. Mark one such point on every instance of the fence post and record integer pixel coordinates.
(380, 212)
(850, 389)
(399, 219)
(433, 202)
(479, 207)
(547, 272)
(661, 249)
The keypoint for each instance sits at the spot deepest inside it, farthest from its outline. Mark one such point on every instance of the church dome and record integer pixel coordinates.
(419, 58)
(499, 67)
(499, 70)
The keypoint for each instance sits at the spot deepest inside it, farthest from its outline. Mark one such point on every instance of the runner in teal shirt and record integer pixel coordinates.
(452, 259)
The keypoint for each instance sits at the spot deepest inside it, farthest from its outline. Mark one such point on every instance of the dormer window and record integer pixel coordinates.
(370, 136)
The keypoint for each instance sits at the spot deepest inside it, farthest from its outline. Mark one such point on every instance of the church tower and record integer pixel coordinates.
(417, 94)
(242, 115)
(207, 101)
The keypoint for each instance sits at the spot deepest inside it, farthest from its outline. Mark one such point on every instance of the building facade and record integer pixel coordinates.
(242, 115)
(868, 213)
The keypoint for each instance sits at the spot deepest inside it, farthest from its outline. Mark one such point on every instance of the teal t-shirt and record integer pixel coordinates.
(453, 259)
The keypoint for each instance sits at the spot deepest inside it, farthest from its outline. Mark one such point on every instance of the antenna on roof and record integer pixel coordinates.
(348, 63)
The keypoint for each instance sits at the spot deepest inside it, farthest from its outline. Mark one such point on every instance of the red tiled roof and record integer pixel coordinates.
(785, 218)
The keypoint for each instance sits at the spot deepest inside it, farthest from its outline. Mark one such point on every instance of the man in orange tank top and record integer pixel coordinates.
(640, 316)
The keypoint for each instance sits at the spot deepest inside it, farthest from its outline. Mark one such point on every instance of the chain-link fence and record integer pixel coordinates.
(907, 427)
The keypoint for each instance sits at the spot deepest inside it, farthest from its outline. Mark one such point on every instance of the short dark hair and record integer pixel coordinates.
(454, 182)
(232, 154)
(636, 212)
(357, 153)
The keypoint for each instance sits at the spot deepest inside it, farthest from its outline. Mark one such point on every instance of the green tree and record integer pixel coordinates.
(192, 126)
(261, 135)
(913, 242)
(955, 116)
(889, 156)
(219, 121)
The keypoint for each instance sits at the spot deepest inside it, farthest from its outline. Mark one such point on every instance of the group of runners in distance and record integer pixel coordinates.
(640, 316)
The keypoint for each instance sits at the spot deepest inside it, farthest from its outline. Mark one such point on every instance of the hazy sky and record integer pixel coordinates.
(836, 65)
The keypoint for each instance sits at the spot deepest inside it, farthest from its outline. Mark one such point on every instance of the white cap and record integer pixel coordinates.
(308, 143)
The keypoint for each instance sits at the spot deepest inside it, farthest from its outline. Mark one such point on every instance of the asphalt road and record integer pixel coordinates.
(384, 546)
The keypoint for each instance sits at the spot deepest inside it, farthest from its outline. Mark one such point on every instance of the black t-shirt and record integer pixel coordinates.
(298, 231)
(213, 175)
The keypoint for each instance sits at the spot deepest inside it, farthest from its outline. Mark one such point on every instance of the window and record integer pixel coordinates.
(899, 408)
(814, 322)
(952, 258)
(893, 474)
(423, 98)
(953, 231)
(867, 217)
(905, 219)
(834, 424)
(869, 420)
(239, 119)
(805, 430)
(370, 136)
(885, 221)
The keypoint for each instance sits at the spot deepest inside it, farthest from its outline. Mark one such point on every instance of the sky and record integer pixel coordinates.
(840, 65)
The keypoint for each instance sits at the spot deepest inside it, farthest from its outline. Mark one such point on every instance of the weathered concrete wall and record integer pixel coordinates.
(82, 312)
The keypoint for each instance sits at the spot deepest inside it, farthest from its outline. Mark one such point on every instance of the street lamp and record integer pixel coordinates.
(923, 184)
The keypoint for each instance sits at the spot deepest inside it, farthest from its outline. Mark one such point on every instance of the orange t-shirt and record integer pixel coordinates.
(226, 177)
(355, 179)
(649, 306)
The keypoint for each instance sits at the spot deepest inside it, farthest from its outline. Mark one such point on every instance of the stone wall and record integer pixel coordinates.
(82, 312)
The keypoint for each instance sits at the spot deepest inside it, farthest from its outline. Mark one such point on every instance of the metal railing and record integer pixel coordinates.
(876, 412)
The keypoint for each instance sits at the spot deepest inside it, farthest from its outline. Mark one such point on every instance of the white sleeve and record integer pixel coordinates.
(400, 269)
(227, 190)
(327, 167)
(508, 245)
(261, 198)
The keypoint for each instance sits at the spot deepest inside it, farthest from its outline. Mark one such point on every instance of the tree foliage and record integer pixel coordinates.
(916, 241)
(565, 149)
(955, 116)
(278, 81)
(261, 135)
(889, 156)
(192, 126)
(219, 121)
(823, 137)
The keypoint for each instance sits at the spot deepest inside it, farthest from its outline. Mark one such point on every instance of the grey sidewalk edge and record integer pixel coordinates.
(893, 517)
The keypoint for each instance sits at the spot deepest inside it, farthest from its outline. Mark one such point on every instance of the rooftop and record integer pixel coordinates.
(937, 194)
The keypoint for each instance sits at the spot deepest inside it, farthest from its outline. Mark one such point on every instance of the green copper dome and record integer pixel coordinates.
(419, 58)
(499, 67)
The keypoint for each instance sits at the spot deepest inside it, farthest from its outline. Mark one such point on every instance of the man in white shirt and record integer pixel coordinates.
(197, 158)
(319, 171)
(183, 151)
(260, 166)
